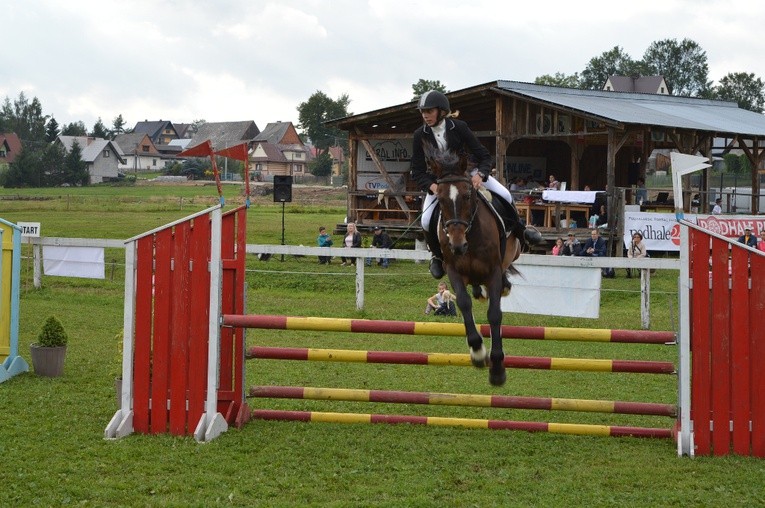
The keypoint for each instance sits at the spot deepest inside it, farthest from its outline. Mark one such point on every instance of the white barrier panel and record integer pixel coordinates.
(555, 291)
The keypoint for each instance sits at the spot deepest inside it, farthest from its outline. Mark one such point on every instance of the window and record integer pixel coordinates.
(145, 148)
(106, 153)
(154, 162)
(2, 153)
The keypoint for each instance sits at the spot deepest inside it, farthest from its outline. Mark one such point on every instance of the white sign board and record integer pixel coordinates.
(376, 182)
(394, 154)
(529, 168)
(29, 228)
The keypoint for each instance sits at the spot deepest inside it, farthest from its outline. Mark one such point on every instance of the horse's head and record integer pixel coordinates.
(456, 198)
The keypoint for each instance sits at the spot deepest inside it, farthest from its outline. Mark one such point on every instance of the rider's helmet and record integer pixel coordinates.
(434, 99)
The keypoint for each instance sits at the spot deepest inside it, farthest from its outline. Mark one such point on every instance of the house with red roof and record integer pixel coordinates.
(10, 147)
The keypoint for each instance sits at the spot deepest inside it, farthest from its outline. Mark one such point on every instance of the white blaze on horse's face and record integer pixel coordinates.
(457, 239)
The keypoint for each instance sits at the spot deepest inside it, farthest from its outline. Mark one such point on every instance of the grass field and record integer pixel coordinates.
(51, 430)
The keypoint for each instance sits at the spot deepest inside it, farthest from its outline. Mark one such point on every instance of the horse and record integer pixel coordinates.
(471, 235)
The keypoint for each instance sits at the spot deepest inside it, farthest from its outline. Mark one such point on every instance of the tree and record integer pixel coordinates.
(683, 65)
(118, 126)
(100, 130)
(611, 63)
(321, 165)
(23, 117)
(424, 85)
(51, 130)
(559, 79)
(743, 88)
(317, 110)
(74, 129)
(75, 169)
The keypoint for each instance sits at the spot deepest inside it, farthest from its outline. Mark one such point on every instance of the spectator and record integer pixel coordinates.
(352, 239)
(761, 243)
(380, 240)
(553, 184)
(637, 250)
(440, 301)
(324, 240)
(717, 209)
(571, 246)
(557, 249)
(748, 238)
(596, 247)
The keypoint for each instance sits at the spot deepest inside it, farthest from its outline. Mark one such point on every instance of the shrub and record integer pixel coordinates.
(52, 334)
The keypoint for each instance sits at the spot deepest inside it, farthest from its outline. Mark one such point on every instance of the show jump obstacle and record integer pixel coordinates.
(184, 348)
(10, 273)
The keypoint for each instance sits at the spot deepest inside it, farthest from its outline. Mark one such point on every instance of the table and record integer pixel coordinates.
(525, 209)
(566, 208)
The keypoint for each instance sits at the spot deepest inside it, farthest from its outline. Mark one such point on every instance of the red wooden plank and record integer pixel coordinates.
(721, 306)
(179, 330)
(239, 305)
(163, 253)
(757, 356)
(700, 340)
(199, 300)
(227, 302)
(739, 348)
(144, 273)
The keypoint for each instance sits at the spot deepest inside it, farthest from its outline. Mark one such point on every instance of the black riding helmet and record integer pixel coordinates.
(434, 99)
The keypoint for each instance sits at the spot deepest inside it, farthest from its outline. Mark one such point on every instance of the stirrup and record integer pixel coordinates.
(436, 268)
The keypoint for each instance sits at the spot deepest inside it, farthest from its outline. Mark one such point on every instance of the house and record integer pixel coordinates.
(637, 84)
(102, 156)
(278, 150)
(139, 152)
(184, 130)
(10, 147)
(161, 132)
(223, 135)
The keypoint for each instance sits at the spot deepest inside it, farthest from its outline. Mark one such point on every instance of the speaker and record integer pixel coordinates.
(282, 188)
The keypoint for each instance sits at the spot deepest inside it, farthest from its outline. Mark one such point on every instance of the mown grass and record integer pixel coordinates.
(51, 429)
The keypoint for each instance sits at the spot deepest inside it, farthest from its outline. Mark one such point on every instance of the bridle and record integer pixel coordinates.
(473, 202)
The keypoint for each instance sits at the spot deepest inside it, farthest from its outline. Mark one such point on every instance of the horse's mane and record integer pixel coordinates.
(444, 162)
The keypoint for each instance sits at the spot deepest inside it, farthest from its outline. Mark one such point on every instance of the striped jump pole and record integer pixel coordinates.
(456, 359)
(273, 322)
(553, 428)
(461, 399)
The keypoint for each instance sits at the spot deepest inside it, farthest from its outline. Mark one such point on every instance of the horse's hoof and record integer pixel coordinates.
(479, 358)
(497, 378)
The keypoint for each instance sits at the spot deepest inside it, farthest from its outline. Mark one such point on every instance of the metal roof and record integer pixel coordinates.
(646, 109)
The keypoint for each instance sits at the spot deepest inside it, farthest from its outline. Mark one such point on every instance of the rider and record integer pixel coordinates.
(444, 132)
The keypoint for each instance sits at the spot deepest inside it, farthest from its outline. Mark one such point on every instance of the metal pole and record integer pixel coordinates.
(282, 227)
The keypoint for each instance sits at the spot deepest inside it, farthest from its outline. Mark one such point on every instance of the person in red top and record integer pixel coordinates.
(761, 243)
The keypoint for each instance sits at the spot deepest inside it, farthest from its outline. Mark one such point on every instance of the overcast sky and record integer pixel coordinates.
(230, 60)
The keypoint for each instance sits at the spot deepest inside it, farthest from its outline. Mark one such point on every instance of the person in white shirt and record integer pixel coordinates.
(717, 209)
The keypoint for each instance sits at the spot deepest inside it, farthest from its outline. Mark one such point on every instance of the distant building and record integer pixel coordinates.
(139, 152)
(161, 132)
(224, 135)
(10, 147)
(102, 157)
(637, 84)
(278, 150)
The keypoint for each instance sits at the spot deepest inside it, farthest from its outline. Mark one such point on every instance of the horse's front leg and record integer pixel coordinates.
(497, 375)
(478, 354)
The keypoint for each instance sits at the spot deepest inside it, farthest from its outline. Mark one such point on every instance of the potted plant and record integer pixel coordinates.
(50, 349)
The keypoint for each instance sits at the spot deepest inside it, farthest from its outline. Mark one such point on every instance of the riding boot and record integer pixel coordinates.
(513, 224)
(436, 263)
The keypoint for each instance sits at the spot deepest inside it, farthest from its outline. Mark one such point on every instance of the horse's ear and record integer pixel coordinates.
(431, 159)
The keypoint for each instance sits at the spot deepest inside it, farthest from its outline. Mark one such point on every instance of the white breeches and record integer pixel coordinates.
(429, 204)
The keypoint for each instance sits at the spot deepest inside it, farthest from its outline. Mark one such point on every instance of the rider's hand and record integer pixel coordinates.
(477, 181)
(433, 188)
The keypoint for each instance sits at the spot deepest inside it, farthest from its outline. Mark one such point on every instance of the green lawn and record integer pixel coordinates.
(51, 430)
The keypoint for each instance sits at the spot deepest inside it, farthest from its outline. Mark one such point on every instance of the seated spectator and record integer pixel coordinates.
(717, 209)
(571, 246)
(557, 249)
(595, 246)
(553, 184)
(637, 250)
(440, 300)
(761, 243)
(380, 240)
(748, 238)
(352, 239)
(641, 193)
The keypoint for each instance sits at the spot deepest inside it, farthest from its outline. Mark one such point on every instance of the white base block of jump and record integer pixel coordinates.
(120, 425)
(209, 427)
(12, 368)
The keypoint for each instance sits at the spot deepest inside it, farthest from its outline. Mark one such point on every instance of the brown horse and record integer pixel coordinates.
(471, 238)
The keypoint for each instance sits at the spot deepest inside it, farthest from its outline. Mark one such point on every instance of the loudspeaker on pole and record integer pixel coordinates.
(282, 188)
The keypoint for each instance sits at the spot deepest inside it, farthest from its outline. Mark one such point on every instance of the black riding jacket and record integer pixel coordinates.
(459, 139)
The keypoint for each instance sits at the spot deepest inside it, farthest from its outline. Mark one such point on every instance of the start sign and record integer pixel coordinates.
(29, 228)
